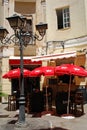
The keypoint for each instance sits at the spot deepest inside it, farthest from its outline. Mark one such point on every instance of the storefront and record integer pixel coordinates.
(61, 83)
(48, 60)
(29, 83)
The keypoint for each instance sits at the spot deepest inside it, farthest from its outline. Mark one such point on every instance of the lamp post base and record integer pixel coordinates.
(21, 125)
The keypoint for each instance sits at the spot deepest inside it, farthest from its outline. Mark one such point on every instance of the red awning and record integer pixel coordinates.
(14, 60)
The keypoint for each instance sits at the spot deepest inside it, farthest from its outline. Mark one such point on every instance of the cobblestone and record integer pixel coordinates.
(8, 119)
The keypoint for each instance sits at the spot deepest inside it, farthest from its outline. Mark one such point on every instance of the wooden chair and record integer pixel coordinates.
(11, 102)
(79, 103)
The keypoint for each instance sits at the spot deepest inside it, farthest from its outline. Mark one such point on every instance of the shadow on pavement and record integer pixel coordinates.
(56, 128)
(3, 116)
(12, 122)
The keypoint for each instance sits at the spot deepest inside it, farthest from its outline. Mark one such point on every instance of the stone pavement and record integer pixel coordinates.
(8, 119)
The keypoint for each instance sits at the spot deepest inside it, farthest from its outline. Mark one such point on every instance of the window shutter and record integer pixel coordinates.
(80, 61)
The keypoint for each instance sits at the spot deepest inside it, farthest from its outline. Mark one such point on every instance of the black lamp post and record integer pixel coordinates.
(18, 23)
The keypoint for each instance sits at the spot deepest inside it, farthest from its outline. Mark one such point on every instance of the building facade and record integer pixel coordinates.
(10, 54)
(67, 32)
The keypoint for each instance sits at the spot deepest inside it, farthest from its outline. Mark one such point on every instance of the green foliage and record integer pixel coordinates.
(3, 94)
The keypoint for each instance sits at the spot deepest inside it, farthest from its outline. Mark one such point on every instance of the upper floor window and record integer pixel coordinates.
(63, 18)
(5, 2)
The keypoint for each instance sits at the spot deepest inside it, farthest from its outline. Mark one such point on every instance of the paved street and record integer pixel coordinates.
(7, 120)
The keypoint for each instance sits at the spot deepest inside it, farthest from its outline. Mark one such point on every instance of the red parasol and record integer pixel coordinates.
(43, 70)
(70, 69)
(15, 73)
(48, 71)
(36, 72)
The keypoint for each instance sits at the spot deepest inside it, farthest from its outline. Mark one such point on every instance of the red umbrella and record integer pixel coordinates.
(36, 72)
(70, 69)
(15, 73)
(48, 71)
(45, 71)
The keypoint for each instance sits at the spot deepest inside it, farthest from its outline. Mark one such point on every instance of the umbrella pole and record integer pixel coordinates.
(46, 100)
(69, 96)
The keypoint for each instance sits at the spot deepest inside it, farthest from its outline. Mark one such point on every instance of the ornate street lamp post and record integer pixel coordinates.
(18, 23)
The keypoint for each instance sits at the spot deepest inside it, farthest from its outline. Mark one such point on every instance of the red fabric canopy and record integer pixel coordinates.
(15, 73)
(43, 70)
(70, 69)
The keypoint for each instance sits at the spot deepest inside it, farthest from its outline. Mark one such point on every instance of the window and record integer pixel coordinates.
(5, 2)
(63, 18)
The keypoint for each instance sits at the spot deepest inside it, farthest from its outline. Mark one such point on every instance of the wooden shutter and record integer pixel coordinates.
(80, 61)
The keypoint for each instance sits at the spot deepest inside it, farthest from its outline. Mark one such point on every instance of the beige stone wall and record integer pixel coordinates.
(8, 10)
(77, 19)
(85, 6)
(6, 83)
(41, 17)
(27, 51)
(1, 12)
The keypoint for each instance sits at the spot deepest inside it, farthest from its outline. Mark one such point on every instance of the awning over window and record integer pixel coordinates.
(15, 60)
(54, 56)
